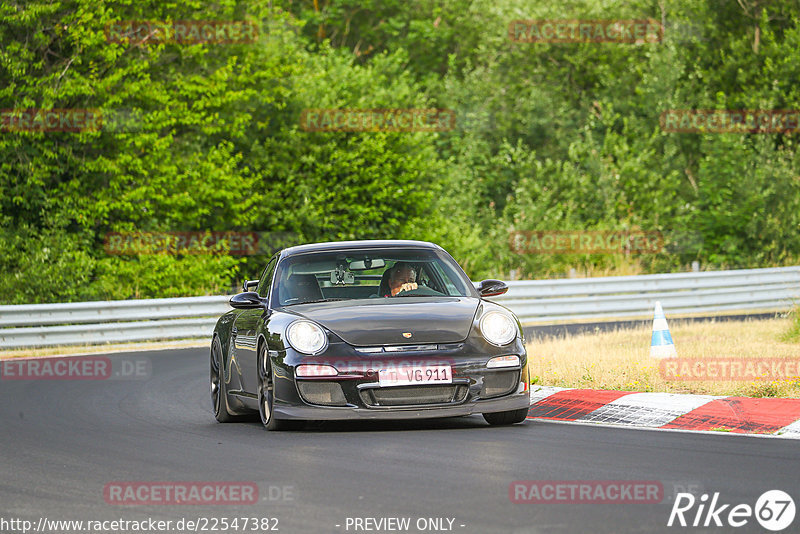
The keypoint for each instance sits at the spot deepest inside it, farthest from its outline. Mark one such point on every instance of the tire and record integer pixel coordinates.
(506, 418)
(266, 397)
(219, 391)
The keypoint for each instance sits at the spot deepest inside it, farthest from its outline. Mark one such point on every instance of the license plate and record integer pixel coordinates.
(410, 375)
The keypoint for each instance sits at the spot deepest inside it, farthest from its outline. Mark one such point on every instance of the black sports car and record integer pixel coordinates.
(367, 330)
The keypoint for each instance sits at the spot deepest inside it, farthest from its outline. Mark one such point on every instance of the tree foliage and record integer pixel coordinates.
(549, 136)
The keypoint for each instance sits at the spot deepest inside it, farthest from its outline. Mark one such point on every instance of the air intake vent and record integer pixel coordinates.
(498, 383)
(324, 393)
(414, 395)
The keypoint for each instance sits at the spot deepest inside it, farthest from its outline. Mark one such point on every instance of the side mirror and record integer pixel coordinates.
(491, 288)
(247, 300)
(247, 285)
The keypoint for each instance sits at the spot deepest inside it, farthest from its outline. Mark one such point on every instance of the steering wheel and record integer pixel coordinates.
(421, 290)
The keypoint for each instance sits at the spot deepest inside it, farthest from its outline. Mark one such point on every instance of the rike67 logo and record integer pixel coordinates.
(774, 510)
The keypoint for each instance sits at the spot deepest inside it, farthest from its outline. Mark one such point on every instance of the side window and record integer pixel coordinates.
(266, 278)
(424, 278)
(451, 288)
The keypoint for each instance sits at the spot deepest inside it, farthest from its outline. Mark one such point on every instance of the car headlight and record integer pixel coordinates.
(307, 337)
(498, 328)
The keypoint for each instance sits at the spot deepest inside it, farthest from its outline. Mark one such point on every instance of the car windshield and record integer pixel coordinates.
(372, 273)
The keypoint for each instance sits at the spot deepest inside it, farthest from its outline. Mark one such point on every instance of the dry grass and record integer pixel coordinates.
(620, 360)
(100, 349)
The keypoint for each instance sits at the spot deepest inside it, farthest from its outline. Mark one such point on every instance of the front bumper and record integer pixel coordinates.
(356, 391)
(514, 401)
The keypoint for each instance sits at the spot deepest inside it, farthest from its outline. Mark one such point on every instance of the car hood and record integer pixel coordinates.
(383, 321)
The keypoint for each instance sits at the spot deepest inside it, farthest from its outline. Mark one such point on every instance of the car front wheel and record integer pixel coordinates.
(506, 418)
(266, 395)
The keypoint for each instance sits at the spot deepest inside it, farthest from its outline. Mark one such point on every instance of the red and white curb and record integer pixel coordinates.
(741, 415)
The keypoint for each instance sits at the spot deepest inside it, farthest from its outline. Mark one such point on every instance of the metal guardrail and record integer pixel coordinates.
(113, 321)
(535, 301)
(631, 296)
(111, 311)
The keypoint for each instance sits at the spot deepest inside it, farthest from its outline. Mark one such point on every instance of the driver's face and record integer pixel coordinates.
(402, 276)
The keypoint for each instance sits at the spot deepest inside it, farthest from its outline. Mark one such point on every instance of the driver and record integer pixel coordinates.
(402, 277)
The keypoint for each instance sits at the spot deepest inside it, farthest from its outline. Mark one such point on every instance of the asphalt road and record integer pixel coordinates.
(63, 441)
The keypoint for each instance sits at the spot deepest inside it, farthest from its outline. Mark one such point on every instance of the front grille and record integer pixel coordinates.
(499, 383)
(325, 393)
(414, 395)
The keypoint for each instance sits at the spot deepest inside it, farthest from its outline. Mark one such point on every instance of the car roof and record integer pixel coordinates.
(348, 245)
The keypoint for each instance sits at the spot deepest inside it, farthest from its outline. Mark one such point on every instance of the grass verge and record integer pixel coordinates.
(793, 334)
(76, 350)
(620, 360)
